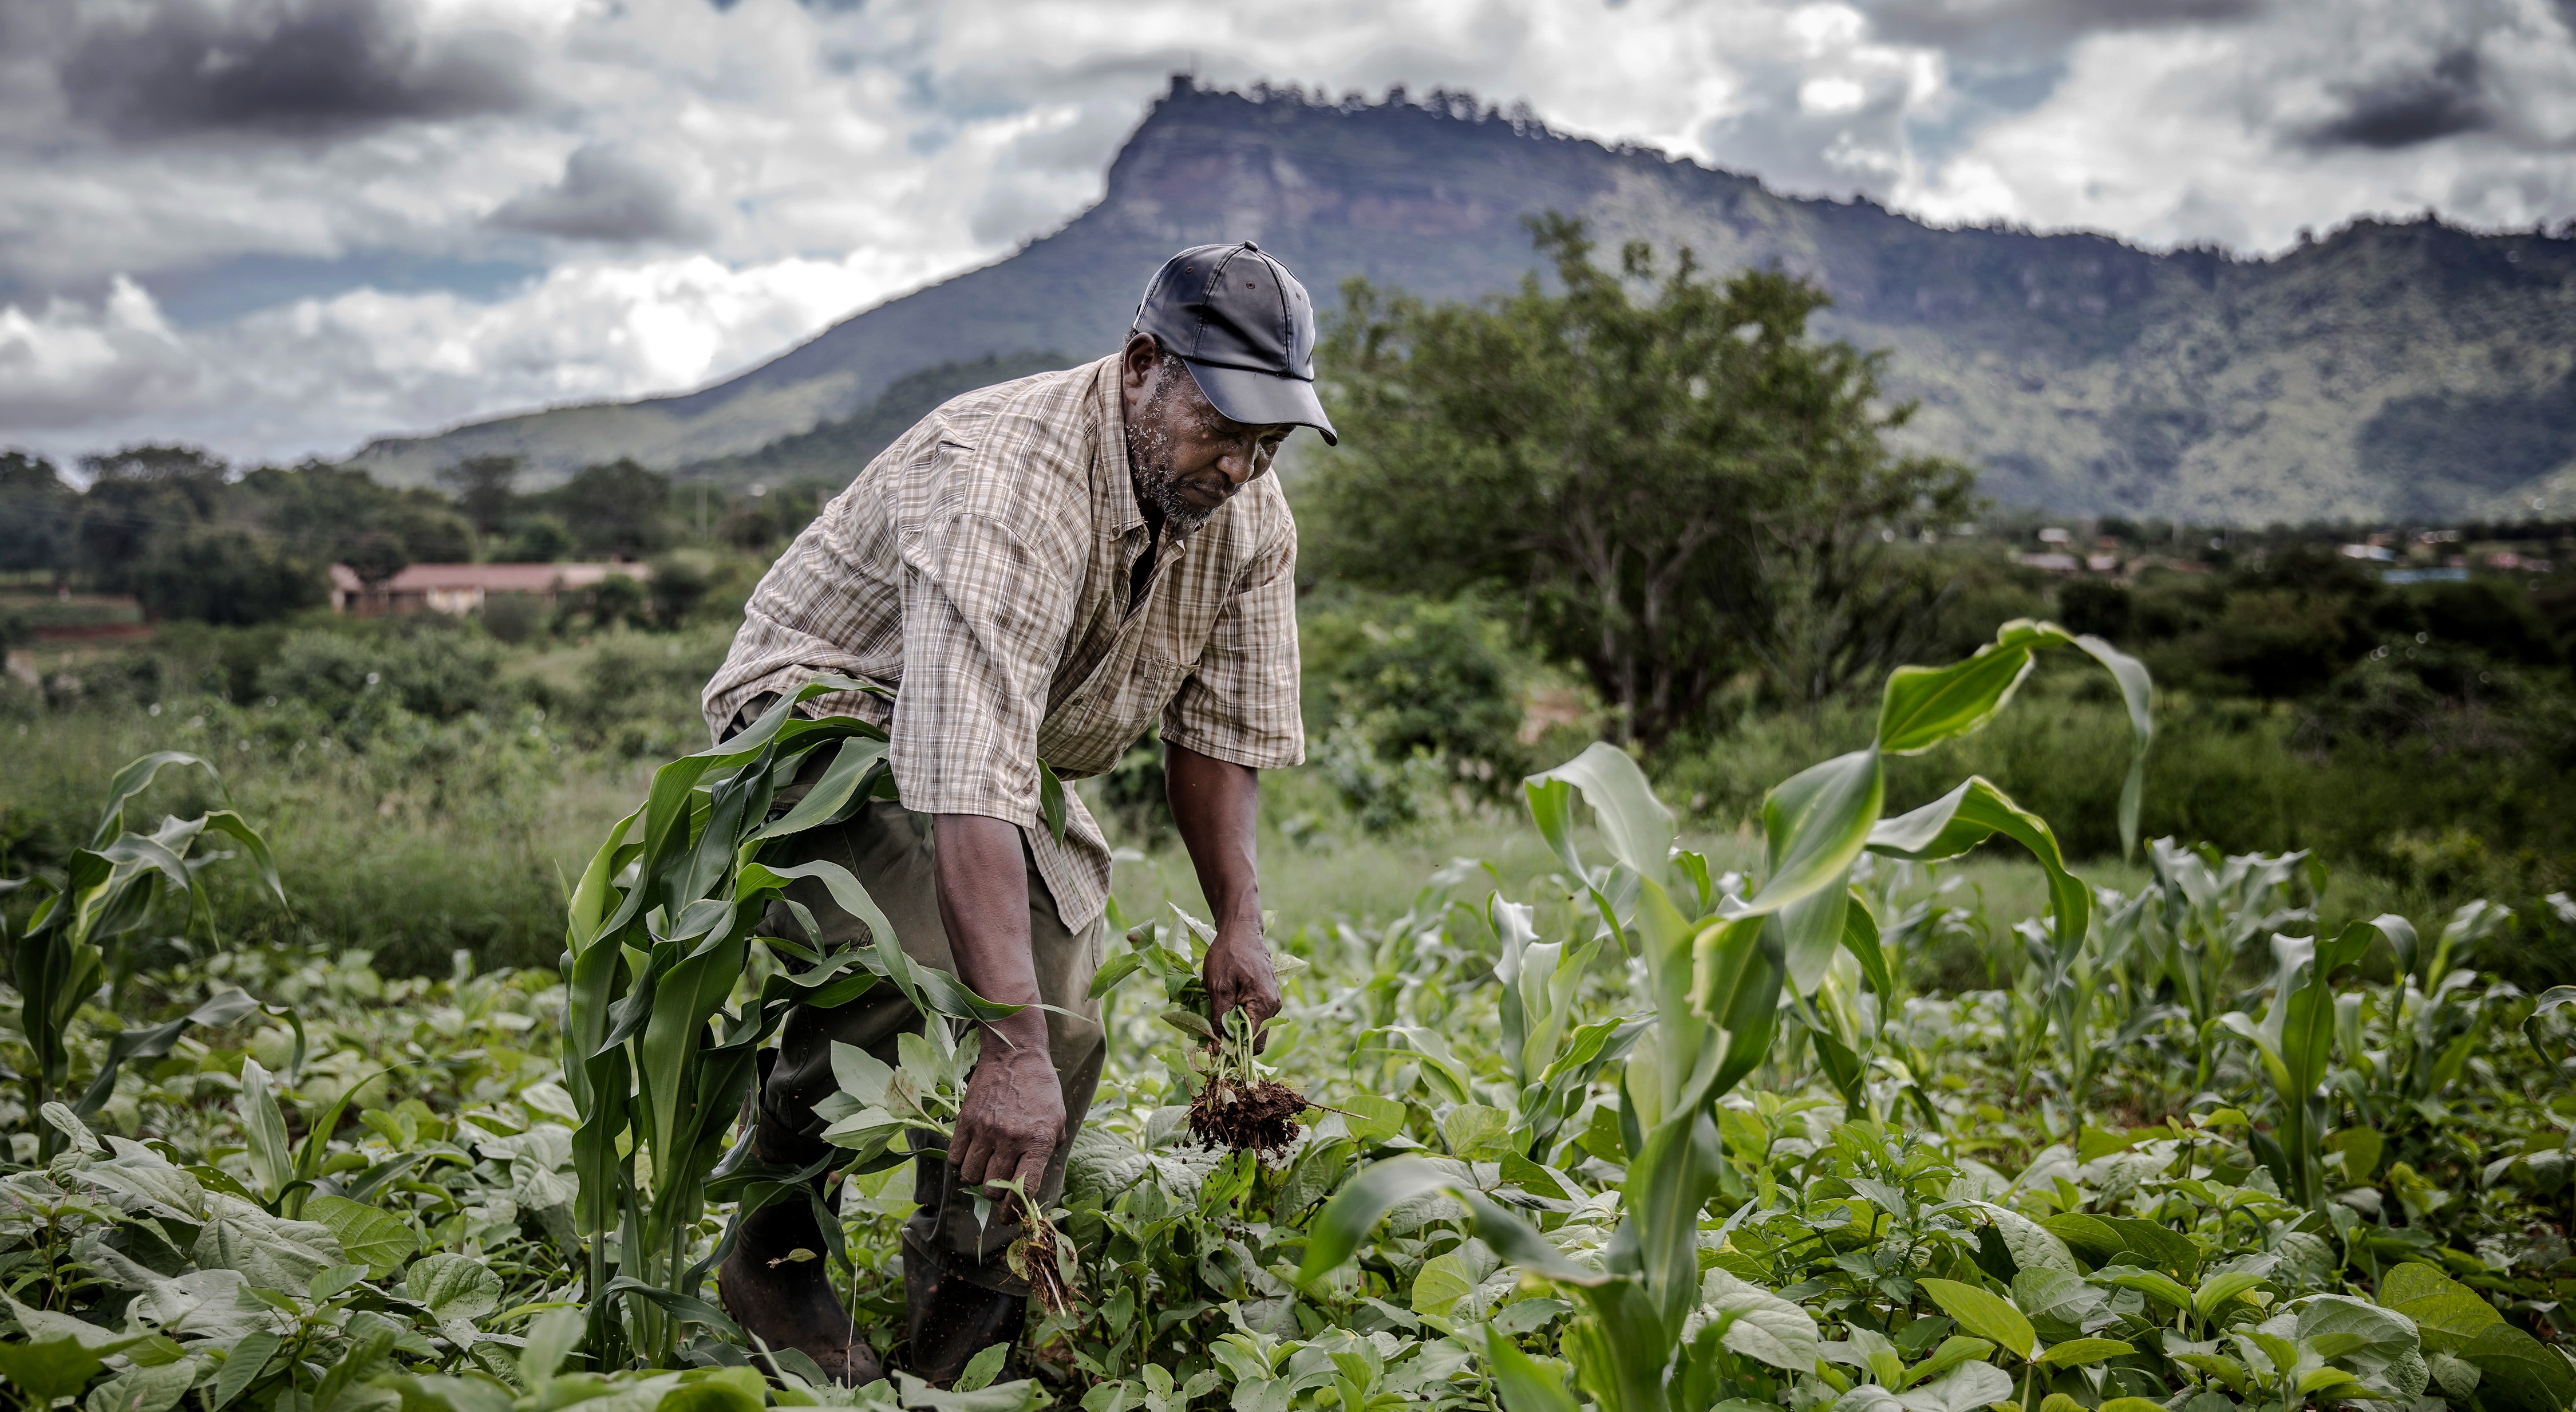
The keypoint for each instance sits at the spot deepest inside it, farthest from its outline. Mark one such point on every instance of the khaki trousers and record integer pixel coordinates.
(891, 852)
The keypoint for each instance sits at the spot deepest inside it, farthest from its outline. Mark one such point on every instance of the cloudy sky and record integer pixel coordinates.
(280, 227)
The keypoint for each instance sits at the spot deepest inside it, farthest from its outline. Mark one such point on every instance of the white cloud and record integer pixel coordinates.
(698, 188)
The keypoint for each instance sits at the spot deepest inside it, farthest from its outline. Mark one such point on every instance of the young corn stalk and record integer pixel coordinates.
(661, 926)
(1714, 977)
(110, 892)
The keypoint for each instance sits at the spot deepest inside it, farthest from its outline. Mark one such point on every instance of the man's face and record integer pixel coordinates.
(1188, 458)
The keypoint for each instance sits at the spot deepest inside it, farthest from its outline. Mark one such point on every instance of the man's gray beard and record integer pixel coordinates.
(1149, 454)
(1180, 517)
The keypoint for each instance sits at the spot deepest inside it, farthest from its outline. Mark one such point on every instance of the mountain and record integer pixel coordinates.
(2403, 370)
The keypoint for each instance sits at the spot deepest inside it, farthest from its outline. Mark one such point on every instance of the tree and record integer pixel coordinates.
(136, 495)
(225, 575)
(618, 508)
(485, 489)
(36, 515)
(1675, 488)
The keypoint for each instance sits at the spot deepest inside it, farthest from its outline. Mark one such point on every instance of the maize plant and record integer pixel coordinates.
(80, 937)
(661, 928)
(1714, 976)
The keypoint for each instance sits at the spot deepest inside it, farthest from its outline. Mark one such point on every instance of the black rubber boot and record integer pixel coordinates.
(949, 1318)
(789, 1303)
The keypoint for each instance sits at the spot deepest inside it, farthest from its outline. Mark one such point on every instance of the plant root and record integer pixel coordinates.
(1259, 1116)
(1041, 1257)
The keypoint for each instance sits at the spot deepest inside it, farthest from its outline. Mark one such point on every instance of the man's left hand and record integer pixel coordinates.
(1238, 973)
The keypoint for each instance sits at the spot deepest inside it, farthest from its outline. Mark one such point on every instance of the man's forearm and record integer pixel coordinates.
(984, 905)
(1216, 805)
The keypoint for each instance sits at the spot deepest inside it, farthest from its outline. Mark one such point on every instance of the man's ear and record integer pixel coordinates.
(1137, 361)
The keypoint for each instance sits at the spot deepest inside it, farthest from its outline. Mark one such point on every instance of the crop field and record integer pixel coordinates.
(1614, 1116)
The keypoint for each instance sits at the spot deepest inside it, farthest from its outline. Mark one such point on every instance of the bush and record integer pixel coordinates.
(356, 680)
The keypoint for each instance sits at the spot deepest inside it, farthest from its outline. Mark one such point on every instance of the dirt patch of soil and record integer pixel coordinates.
(1260, 1117)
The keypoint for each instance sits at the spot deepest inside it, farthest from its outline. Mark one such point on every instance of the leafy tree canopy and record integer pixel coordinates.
(1676, 480)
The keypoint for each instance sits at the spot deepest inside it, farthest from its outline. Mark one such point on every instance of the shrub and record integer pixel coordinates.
(218, 574)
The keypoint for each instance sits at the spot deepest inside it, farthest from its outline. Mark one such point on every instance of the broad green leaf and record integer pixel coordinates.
(48, 1368)
(2519, 1372)
(2058, 1304)
(1637, 826)
(981, 1369)
(2218, 1291)
(552, 1336)
(374, 1238)
(1440, 1284)
(268, 1252)
(2153, 1283)
(1954, 1350)
(153, 1388)
(2083, 1352)
(1767, 1328)
(1984, 1314)
(1815, 823)
(2091, 1238)
(453, 1287)
(1026, 1395)
(2448, 1315)
(1966, 1388)
(2032, 1247)
(243, 1363)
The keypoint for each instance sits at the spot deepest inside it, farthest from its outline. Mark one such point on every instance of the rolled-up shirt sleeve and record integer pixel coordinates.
(977, 604)
(1240, 702)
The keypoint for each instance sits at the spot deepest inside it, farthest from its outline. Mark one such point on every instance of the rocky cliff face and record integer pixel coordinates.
(2390, 370)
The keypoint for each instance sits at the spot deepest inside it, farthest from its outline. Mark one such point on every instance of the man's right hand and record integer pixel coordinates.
(1013, 1115)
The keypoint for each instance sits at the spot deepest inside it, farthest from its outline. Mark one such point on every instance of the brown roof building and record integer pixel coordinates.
(462, 588)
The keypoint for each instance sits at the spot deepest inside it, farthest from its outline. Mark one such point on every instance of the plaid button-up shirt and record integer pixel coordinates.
(979, 568)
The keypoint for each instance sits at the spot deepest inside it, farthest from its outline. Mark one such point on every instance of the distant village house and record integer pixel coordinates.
(462, 588)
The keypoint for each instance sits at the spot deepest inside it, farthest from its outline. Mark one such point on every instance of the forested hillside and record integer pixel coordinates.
(2407, 370)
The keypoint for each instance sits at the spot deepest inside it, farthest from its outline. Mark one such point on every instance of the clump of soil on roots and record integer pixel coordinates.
(1260, 1116)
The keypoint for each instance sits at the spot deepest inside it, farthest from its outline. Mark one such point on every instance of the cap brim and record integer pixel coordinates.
(1263, 399)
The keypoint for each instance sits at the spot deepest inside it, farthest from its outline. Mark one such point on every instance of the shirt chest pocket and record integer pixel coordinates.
(1092, 728)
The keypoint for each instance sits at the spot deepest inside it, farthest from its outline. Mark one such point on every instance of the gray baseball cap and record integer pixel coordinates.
(1245, 327)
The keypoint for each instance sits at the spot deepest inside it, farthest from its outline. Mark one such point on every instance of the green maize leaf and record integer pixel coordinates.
(678, 1306)
(1666, 1187)
(1968, 816)
(1551, 806)
(1051, 806)
(2083, 1352)
(272, 1162)
(136, 777)
(1984, 1314)
(1923, 706)
(1346, 1221)
(853, 760)
(1524, 1385)
(1811, 929)
(1637, 826)
(1815, 823)
(1736, 970)
(1860, 938)
(2137, 693)
(155, 1041)
(2555, 998)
